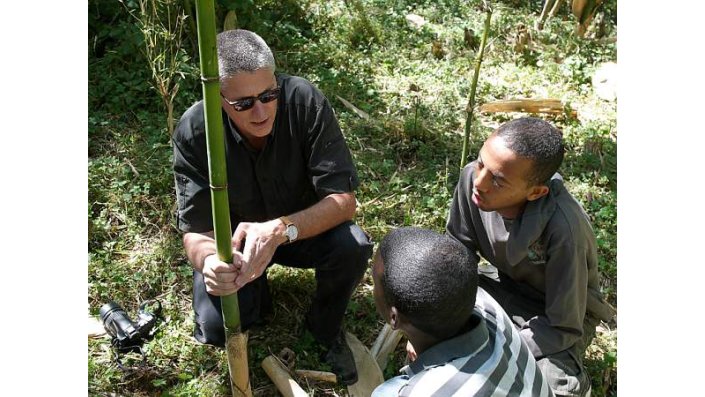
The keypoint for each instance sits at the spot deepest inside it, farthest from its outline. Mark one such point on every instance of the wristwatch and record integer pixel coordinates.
(292, 232)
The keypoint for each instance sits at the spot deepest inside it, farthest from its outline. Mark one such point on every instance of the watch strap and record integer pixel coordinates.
(288, 223)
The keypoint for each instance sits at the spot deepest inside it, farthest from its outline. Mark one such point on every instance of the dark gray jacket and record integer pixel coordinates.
(550, 246)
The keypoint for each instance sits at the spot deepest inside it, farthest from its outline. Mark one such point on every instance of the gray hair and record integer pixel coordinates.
(240, 50)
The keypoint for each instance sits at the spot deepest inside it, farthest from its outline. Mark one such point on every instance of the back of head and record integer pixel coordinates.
(242, 51)
(430, 278)
(537, 140)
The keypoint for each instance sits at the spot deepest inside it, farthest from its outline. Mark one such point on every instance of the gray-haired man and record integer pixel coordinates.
(291, 182)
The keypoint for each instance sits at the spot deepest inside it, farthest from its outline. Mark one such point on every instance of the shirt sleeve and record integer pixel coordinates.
(190, 166)
(330, 163)
(566, 296)
(459, 224)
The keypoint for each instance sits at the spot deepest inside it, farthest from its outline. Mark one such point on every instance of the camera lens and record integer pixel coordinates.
(106, 309)
(116, 322)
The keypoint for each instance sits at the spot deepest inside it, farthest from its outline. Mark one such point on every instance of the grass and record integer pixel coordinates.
(406, 154)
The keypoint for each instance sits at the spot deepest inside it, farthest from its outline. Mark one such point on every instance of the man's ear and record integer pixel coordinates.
(394, 318)
(537, 192)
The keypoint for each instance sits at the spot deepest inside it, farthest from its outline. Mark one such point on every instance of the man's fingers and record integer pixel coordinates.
(243, 279)
(249, 251)
(216, 288)
(225, 277)
(239, 235)
(238, 260)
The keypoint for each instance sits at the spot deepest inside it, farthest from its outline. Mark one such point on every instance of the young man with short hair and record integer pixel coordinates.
(511, 207)
(425, 284)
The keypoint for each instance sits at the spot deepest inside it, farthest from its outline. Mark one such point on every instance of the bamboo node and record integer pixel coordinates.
(213, 187)
(209, 79)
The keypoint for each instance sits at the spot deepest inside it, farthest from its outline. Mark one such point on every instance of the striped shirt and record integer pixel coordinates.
(489, 360)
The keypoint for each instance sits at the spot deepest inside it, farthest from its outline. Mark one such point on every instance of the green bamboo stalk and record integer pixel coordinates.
(473, 88)
(236, 341)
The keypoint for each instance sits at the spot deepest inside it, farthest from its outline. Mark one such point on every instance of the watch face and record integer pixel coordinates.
(293, 232)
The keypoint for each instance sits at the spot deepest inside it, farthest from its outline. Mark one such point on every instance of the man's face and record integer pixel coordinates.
(378, 292)
(500, 182)
(257, 121)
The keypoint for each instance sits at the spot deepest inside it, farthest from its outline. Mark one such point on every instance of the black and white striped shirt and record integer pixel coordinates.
(489, 360)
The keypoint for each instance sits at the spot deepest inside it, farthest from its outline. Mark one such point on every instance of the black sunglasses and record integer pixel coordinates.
(243, 104)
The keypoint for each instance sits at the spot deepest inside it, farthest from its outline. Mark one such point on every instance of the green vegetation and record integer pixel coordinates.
(414, 82)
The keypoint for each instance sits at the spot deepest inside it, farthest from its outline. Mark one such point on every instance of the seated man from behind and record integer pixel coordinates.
(424, 286)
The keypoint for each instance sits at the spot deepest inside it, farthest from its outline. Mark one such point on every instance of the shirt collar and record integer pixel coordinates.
(238, 137)
(467, 344)
(528, 227)
(233, 129)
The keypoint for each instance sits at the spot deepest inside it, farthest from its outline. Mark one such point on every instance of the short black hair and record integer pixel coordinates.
(538, 141)
(430, 278)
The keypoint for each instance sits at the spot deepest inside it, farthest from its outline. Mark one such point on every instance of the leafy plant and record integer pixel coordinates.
(162, 25)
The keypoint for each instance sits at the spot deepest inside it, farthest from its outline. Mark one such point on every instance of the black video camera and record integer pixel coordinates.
(128, 335)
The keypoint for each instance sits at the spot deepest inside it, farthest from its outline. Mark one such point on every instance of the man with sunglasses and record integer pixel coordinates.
(291, 182)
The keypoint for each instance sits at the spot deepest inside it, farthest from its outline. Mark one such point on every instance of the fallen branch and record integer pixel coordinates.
(551, 106)
(354, 109)
(320, 376)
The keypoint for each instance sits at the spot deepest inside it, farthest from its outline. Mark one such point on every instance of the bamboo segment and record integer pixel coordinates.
(281, 378)
(369, 376)
(95, 328)
(239, 374)
(552, 106)
(320, 376)
(473, 87)
(380, 339)
(385, 343)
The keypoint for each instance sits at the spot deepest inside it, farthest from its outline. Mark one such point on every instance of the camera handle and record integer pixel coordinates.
(157, 312)
(118, 361)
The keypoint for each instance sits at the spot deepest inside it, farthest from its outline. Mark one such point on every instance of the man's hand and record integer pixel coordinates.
(410, 352)
(261, 241)
(220, 276)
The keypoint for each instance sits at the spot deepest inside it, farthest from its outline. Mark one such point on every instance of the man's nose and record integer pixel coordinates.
(482, 181)
(258, 110)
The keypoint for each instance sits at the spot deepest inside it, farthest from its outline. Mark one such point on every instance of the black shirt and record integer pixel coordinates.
(305, 159)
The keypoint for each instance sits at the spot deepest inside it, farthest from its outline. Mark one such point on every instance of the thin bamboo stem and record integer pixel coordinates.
(473, 88)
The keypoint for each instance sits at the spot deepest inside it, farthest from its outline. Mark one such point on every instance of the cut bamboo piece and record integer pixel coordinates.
(369, 376)
(386, 342)
(239, 377)
(95, 328)
(320, 376)
(551, 106)
(281, 378)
